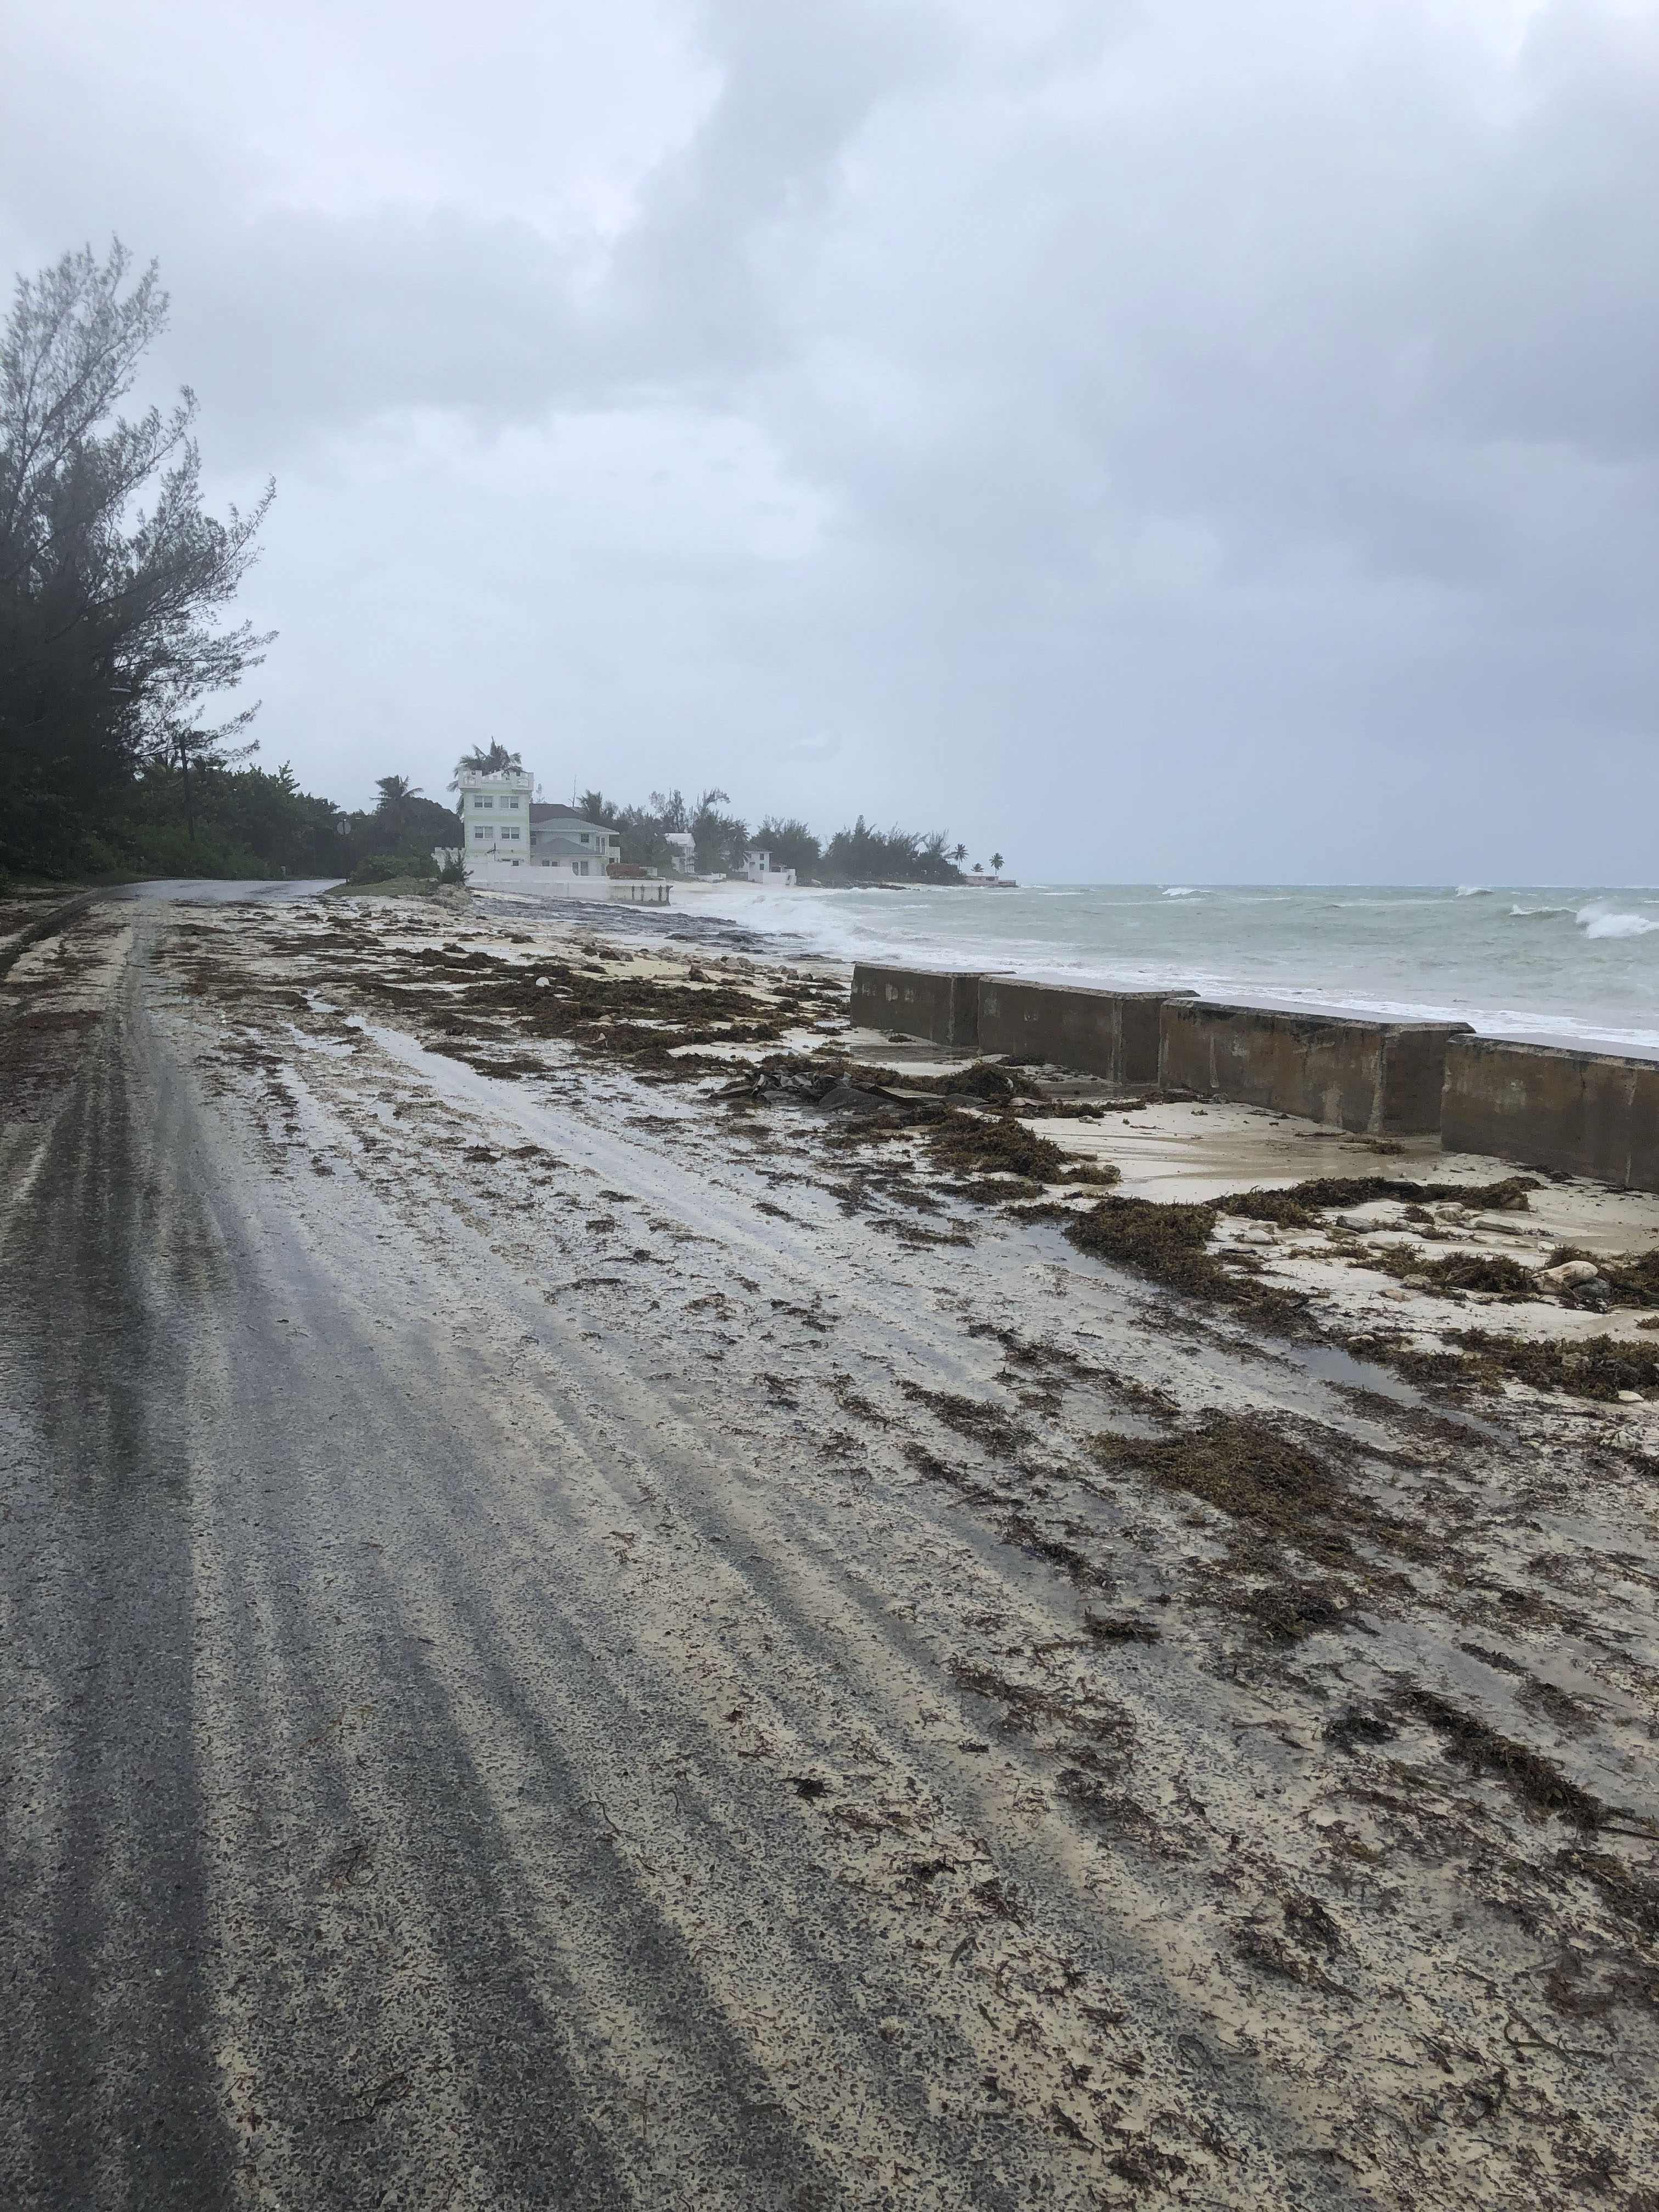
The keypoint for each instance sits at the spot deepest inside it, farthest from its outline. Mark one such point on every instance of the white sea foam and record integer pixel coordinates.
(1180, 890)
(1597, 922)
(1474, 890)
(1540, 913)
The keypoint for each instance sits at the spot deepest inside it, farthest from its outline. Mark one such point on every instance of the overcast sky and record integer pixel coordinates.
(1202, 438)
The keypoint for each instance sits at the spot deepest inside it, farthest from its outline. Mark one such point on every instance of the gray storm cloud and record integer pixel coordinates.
(1213, 440)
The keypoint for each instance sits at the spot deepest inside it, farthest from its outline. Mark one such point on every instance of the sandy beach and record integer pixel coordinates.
(696, 1608)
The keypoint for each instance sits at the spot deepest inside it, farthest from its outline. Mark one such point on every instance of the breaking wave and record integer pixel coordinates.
(1180, 890)
(1474, 890)
(1597, 922)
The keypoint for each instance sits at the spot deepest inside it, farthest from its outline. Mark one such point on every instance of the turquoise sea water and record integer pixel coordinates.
(1573, 965)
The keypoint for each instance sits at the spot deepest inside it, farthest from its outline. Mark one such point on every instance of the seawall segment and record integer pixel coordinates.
(1579, 1113)
(939, 1004)
(1372, 1078)
(1111, 1033)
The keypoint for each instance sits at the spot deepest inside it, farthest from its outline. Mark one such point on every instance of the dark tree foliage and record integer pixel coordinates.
(862, 854)
(791, 844)
(113, 579)
(396, 802)
(643, 842)
(401, 826)
(246, 821)
(722, 840)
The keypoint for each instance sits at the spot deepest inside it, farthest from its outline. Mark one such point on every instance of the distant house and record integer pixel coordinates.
(514, 842)
(684, 847)
(757, 869)
(562, 833)
(503, 824)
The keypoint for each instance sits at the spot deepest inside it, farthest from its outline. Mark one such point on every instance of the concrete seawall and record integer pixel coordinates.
(1373, 1078)
(1578, 1113)
(1582, 1113)
(1112, 1034)
(939, 1004)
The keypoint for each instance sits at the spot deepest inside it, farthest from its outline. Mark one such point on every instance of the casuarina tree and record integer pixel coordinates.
(113, 579)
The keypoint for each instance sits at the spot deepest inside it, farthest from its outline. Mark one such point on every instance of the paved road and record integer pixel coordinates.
(488, 1724)
(360, 1849)
(269, 1794)
(210, 890)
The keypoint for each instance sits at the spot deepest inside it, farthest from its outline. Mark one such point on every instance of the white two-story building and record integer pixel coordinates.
(511, 838)
(495, 811)
(504, 824)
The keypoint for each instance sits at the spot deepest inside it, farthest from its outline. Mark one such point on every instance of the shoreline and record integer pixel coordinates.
(1163, 1153)
(734, 914)
(788, 912)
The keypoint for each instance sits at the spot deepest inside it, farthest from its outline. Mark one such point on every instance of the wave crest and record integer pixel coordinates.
(1597, 922)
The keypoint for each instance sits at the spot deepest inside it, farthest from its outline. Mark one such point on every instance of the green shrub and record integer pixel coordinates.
(386, 867)
(97, 857)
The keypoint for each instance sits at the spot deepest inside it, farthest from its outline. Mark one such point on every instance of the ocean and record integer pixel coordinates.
(1572, 966)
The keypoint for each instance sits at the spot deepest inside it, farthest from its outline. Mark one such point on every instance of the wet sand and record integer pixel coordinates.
(579, 1633)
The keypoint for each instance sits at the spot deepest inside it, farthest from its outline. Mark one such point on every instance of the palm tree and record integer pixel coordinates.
(396, 792)
(492, 759)
(996, 864)
(958, 854)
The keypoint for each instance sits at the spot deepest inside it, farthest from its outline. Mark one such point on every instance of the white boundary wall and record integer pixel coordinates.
(556, 882)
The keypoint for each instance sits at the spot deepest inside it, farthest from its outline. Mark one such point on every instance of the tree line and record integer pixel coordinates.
(723, 840)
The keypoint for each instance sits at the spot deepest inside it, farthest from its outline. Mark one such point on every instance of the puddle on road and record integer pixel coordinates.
(1329, 1363)
(307, 1040)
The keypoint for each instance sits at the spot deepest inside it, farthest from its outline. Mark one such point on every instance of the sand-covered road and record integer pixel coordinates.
(565, 1646)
